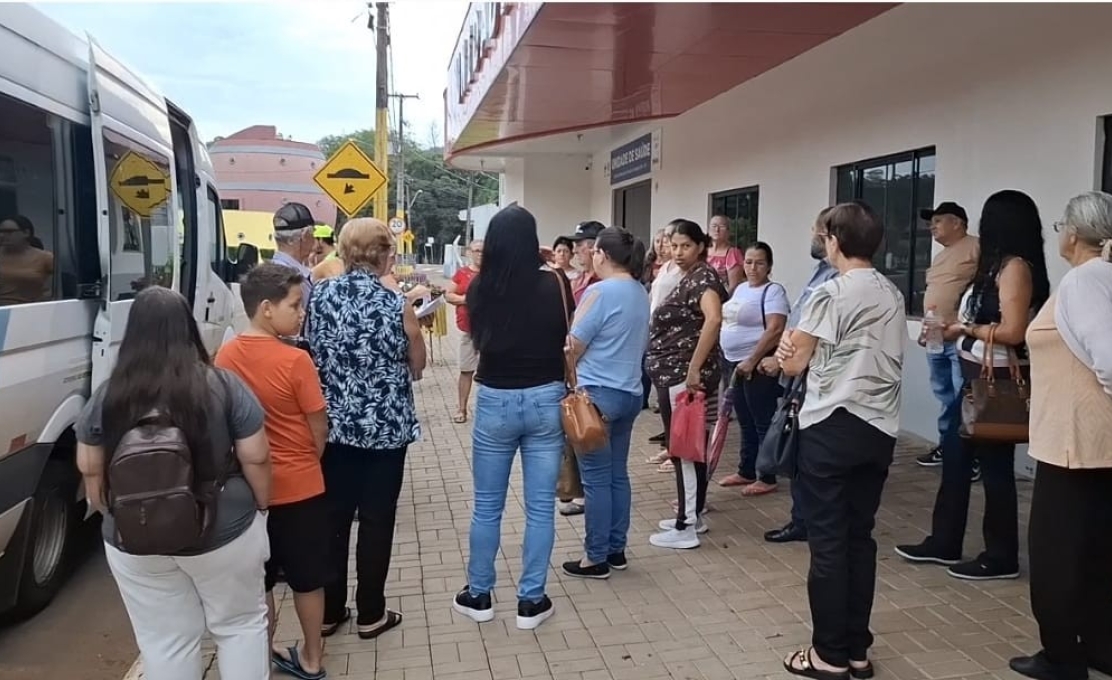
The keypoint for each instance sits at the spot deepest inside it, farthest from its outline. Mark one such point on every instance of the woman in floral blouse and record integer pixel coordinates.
(683, 354)
(367, 345)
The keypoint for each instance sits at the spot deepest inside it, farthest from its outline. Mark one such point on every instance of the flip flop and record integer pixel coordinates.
(292, 665)
(329, 629)
(863, 672)
(758, 489)
(807, 667)
(459, 418)
(393, 620)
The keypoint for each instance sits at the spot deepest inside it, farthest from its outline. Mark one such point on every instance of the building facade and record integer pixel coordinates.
(771, 112)
(259, 170)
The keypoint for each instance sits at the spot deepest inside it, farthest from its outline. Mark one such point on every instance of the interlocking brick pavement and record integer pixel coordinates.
(731, 609)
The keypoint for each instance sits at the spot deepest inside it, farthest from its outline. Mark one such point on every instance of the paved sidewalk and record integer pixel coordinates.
(731, 609)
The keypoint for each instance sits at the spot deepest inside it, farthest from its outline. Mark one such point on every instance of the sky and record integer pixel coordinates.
(306, 67)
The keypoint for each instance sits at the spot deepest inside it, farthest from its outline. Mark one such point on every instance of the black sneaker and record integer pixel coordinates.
(975, 476)
(618, 561)
(981, 570)
(932, 458)
(478, 608)
(531, 615)
(595, 571)
(924, 553)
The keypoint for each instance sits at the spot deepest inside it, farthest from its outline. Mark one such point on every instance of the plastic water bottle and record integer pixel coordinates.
(932, 331)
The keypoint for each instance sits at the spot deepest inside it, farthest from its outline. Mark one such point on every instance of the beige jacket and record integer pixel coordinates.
(1071, 415)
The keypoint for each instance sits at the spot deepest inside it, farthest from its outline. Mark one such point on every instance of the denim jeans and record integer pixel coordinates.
(946, 383)
(505, 421)
(605, 475)
(755, 402)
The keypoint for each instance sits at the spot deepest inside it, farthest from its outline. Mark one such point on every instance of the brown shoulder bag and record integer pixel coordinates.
(584, 424)
(997, 410)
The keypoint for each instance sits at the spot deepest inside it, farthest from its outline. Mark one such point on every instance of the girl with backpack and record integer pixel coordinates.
(174, 456)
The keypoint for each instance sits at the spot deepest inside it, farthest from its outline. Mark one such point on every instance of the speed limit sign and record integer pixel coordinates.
(397, 225)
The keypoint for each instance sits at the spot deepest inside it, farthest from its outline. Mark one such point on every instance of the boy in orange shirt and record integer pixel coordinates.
(285, 381)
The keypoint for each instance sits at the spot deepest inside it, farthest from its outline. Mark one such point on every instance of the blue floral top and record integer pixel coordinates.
(358, 341)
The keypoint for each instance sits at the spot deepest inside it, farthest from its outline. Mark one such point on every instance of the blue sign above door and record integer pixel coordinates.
(632, 160)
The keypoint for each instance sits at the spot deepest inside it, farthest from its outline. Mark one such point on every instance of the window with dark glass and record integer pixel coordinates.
(41, 206)
(897, 187)
(229, 203)
(740, 205)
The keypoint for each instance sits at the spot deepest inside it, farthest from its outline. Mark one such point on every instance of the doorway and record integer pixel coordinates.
(633, 210)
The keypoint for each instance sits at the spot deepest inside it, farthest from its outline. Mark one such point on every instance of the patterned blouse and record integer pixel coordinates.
(676, 324)
(358, 341)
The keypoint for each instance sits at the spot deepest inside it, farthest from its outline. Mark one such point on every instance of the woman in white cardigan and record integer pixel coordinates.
(1070, 344)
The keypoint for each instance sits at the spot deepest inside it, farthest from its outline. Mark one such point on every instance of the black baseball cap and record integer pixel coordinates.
(587, 230)
(945, 208)
(293, 216)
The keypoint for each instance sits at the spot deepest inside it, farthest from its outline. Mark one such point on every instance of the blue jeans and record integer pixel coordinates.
(605, 475)
(755, 401)
(946, 383)
(505, 421)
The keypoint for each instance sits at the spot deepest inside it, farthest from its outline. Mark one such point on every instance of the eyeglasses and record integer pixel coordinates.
(1059, 226)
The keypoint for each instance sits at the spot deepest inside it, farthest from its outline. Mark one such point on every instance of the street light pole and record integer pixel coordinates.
(400, 179)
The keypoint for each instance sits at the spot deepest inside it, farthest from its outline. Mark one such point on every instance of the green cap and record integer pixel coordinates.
(322, 231)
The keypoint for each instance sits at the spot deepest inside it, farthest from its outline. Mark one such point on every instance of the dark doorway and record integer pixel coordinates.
(633, 210)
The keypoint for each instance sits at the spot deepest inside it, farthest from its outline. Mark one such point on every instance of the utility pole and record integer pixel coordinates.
(382, 101)
(400, 205)
(468, 229)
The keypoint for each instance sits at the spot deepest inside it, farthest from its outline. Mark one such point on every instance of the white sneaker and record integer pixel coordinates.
(676, 540)
(669, 524)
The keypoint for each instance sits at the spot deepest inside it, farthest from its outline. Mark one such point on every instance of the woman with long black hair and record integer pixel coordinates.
(163, 368)
(1009, 288)
(519, 322)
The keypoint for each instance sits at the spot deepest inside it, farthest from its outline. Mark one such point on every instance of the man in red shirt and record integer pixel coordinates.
(456, 294)
(584, 240)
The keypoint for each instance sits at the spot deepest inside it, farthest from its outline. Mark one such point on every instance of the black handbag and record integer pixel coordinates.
(780, 448)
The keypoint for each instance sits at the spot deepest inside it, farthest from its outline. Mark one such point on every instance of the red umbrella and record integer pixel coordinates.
(721, 426)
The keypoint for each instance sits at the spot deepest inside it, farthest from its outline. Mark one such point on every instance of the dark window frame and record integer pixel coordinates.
(741, 235)
(849, 185)
(229, 204)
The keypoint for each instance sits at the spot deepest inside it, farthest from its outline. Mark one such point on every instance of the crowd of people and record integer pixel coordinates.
(305, 420)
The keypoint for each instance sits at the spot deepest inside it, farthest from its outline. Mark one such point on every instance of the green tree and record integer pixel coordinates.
(436, 209)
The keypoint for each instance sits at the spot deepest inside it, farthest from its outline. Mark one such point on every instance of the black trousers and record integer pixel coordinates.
(1071, 561)
(951, 506)
(665, 412)
(368, 481)
(843, 464)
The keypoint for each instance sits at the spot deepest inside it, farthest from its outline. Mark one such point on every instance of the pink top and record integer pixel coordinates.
(724, 263)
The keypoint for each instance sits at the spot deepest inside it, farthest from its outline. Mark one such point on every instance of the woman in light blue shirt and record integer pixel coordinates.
(607, 340)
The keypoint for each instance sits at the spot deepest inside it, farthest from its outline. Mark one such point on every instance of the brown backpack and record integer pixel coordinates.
(162, 499)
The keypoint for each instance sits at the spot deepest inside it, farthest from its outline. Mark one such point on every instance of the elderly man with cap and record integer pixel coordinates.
(950, 273)
(583, 241)
(293, 234)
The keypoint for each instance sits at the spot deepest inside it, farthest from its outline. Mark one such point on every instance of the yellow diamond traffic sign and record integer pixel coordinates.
(350, 178)
(139, 184)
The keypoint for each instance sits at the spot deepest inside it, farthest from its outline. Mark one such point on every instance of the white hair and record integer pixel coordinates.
(1090, 216)
(289, 237)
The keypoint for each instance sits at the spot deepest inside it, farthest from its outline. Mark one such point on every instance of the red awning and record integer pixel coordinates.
(524, 70)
